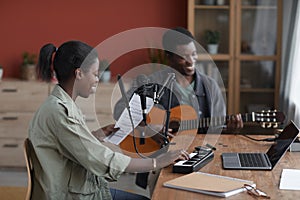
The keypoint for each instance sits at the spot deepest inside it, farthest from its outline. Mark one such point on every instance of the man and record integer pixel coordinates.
(190, 87)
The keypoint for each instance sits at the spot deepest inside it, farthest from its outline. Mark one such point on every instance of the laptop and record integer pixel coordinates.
(263, 161)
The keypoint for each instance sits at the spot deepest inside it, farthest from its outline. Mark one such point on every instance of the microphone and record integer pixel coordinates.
(143, 82)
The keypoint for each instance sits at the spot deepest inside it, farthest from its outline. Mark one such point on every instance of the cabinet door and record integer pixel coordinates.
(15, 124)
(11, 152)
(203, 16)
(249, 53)
(258, 27)
(258, 54)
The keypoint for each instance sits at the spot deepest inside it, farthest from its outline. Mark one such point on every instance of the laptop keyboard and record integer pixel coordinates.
(251, 160)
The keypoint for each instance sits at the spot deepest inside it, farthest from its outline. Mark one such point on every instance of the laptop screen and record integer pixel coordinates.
(282, 143)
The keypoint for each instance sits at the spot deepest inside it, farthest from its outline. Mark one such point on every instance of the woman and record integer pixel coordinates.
(70, 162)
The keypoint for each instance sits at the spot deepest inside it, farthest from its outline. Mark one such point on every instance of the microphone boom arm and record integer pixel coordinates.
(169, 80)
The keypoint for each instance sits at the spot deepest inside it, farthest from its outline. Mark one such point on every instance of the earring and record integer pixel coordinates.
(77, 71)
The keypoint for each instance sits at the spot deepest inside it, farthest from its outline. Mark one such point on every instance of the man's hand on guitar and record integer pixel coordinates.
(171, 133)
(235, 122)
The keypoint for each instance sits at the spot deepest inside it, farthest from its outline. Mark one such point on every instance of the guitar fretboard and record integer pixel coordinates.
(202, 123)
(211, 122)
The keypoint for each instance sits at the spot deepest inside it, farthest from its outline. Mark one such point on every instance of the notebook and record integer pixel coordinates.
(211, 184)
(263, 161)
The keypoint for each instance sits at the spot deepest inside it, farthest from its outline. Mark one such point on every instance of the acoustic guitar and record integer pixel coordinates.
(183, 118)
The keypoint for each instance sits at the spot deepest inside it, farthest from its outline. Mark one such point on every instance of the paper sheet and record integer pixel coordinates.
(124, 122)
(290, 179)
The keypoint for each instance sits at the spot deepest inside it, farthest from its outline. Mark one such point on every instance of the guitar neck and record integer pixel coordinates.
(212, 121)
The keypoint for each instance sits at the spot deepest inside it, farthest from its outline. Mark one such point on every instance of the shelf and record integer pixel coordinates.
(256, 57)
(213, 57)
(259, 7)
(257, 90)
(202, 7)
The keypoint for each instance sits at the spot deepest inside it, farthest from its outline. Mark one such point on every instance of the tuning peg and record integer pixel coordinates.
(269, 125)
(275, 125)
(263, 125)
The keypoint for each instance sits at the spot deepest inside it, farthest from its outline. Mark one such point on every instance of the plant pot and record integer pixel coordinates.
(28, 72)
(220, 2)
(105, 76)
(212, 48)
(209, 2)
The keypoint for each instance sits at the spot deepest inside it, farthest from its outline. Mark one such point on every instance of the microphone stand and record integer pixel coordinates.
(170, 81)
(142, 92)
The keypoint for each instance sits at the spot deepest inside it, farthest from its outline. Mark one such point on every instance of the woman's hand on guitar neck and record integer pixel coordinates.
(235, 122)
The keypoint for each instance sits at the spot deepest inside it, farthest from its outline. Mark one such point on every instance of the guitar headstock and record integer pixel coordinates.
(268, 119)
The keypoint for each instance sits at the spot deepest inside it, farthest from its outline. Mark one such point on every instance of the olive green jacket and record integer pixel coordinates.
(69, 162)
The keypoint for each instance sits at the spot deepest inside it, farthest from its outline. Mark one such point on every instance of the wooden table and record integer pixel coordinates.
(267, 181)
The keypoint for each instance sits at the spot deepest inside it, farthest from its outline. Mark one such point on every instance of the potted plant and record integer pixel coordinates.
(28, 67)
(105, 74)
(212, 39)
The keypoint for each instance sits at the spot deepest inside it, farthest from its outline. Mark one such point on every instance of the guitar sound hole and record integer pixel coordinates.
(174, 125)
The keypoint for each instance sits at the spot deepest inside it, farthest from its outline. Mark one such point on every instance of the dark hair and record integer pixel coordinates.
(68, 57)
(174, 37)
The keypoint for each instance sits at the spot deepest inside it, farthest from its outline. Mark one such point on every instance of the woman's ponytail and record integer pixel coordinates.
(44, 66)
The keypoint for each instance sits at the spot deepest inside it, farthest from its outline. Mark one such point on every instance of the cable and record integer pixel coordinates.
(125, 99)
(133, 136)
(262, 140)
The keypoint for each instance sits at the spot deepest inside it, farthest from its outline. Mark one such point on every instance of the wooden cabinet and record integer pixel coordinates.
(19, 101)
(249, 53)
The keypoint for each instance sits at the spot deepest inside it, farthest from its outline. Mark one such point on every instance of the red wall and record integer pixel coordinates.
(28, 25)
